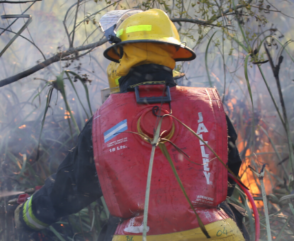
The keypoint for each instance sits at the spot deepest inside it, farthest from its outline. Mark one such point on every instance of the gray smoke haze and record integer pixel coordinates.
(23, 102)
(21, 110)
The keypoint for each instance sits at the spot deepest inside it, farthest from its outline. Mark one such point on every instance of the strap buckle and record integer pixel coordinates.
(154, 99)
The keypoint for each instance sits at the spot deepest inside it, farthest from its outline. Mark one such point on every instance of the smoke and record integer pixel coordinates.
(23, 102)
(262, 138)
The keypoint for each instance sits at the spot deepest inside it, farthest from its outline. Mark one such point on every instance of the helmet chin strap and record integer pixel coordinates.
(120, 53)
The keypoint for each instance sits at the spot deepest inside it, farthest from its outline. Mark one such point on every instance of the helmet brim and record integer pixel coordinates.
(183, 52)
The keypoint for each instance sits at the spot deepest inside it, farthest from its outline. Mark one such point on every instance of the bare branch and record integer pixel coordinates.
(88, 17)
(16, 19)
(196, 20)
(13, 2)
(49, 61)
(75, 57)
(74, 26)
(278, 10)
(266, 10)
(212, 19)
(20, 31)
(28, 41)
(64, 21)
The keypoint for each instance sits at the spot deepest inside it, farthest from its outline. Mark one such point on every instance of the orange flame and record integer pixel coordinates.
(67, 114)
(255, 159)
(250, 179)
(22, 127)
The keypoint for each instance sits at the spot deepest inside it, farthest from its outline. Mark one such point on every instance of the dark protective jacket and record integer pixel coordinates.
(76, 184)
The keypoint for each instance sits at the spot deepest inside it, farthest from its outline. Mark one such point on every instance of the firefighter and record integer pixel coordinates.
(112, 154)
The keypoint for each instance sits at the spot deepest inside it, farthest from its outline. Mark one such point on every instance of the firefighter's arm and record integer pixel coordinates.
(234, 160)
(73, 187)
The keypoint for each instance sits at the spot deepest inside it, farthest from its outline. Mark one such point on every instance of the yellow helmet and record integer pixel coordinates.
(112, 77)
(152, 26)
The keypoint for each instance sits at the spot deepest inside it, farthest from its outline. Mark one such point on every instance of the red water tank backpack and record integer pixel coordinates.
(122, 158)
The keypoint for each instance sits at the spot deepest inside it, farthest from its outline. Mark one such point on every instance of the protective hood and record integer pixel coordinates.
(146, 53)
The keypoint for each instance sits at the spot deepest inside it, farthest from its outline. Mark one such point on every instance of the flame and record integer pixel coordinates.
(257, 158)
(67, 114)
(22, 127)
(231, 104)
(248, 177)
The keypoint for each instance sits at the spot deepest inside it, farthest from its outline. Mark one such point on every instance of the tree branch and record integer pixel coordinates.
(212, 19)
(88, 17)
(64, 21)
(20, 1)
(49, 61)
(16, 18)
(73, 34)
(28, 41)
(196, 20)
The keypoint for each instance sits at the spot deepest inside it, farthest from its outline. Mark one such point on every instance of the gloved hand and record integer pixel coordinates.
(24, 232)
(17, 213)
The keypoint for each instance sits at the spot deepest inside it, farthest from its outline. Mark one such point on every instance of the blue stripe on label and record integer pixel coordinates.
(114, 131)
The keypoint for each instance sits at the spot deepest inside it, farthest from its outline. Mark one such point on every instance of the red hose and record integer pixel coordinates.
(251, 200)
